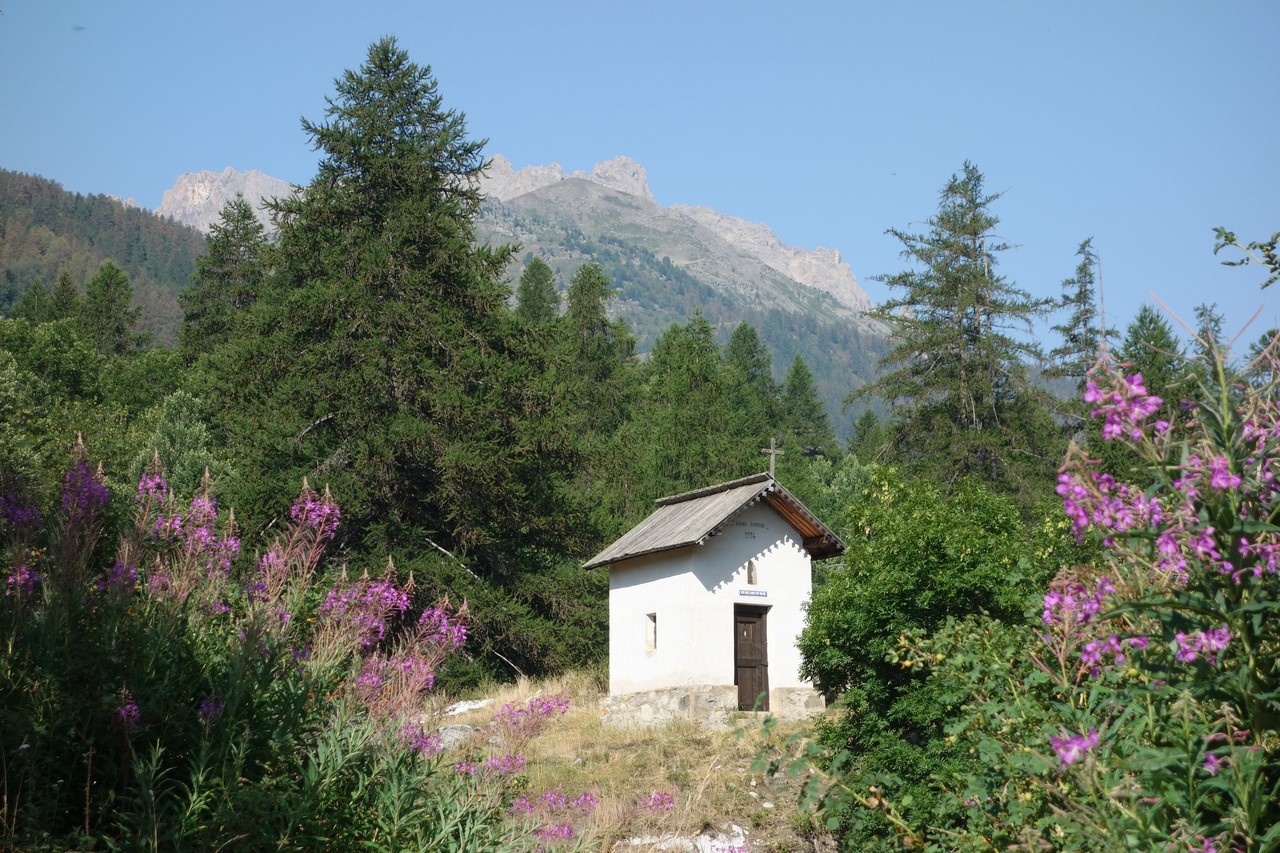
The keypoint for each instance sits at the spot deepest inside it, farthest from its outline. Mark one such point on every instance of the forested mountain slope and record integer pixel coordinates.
(45, 231)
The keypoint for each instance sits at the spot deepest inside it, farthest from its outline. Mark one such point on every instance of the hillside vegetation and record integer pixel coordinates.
(46, 231)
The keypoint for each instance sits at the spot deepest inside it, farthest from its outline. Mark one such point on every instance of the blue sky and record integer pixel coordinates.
(1141, 124)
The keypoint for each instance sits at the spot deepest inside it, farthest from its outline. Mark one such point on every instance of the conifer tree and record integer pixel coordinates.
(228, 278)
(105, 314)
(1081, 333)
(957, 372)
(687, 431)
(65, 299)
(381, 356)
(748, 358)
(1152, 349)
(808, 427)
(34, 305)
(537, 301)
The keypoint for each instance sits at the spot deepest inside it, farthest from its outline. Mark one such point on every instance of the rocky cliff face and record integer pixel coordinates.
(820, 269)
(197, 198)
(503, 182)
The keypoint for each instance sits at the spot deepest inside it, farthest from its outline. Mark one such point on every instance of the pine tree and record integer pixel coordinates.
(228, 279)
(34, 305)
(382, 356)
(686, 432)
(957, 372)
(748, 358)
(537, 301)
(1152, 349)
(105, 314)
(808, 427)
(1081, 346)
(65, 300)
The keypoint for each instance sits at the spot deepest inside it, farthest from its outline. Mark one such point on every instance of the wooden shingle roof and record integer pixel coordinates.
(691, 518)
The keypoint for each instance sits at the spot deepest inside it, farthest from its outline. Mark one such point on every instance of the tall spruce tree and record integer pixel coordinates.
(105, 314)
(807, 425)
(537, 301)
(228, 279)
(34, 305)
(65, 300)
(748, 358)
(957, 372)
(687, 432)
(1082, 335)
(382, 357)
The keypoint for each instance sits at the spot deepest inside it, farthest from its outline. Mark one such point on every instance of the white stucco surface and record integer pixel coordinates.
(692, 592)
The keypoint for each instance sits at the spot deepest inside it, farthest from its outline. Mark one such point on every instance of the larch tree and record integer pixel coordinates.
(382, 357)
(805, 417)
(957, 373)
(1081, 332)
(228, 279)
(537, 300)
(105, 314)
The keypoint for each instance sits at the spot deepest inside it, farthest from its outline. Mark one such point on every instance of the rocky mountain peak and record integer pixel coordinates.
(197, 198)
(504, 182)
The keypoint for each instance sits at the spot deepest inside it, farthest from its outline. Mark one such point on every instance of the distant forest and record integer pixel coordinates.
(46, 231)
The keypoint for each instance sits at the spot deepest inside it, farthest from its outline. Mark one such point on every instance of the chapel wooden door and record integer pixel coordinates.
(750, 658)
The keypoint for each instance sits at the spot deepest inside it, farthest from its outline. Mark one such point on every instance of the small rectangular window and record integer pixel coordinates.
(651, 632)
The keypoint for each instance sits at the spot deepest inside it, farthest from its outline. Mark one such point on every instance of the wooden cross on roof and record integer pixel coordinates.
(773, 453)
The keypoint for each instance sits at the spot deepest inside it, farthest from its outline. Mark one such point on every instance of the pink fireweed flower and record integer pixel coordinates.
(419, 740)
(1220, 476)
(211, 709)
(1123, 407)
(22, 583)
(152, 487)
(555, 832)
(16, 514)
(317, 512)
(659, 801)
(83, 495)
(364, 607)
(120, 578)
(503, 765)
(126, 714)
(1212, 764)
(1070, 602)
(1071, 749)
(437, 623)
(1201, 643)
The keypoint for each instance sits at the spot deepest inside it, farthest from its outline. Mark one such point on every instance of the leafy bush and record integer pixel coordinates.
(1141, 708)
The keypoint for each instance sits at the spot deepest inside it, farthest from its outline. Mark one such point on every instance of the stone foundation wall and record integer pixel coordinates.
(713, 705)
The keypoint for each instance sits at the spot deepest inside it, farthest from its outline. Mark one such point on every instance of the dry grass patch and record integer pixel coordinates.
(708, 775)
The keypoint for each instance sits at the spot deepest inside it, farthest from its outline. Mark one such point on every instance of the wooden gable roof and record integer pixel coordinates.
(693, 517)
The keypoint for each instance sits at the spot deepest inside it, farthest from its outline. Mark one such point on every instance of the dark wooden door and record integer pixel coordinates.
(750, 658)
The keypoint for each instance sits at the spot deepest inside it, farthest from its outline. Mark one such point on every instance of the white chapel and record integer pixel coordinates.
(706, 602)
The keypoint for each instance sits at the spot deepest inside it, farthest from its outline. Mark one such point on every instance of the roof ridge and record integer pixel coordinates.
(711, 490)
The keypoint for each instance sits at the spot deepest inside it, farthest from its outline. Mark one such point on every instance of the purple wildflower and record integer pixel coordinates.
(1201, 643)
(504, 765)
(22, 582)
(83, 495)
(211, 709)
(319, 513)
(127, 715)
(121, 578)
(1212, 764)
(17, 515)
(1071, 749)
(417, 739)
(659, 801)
